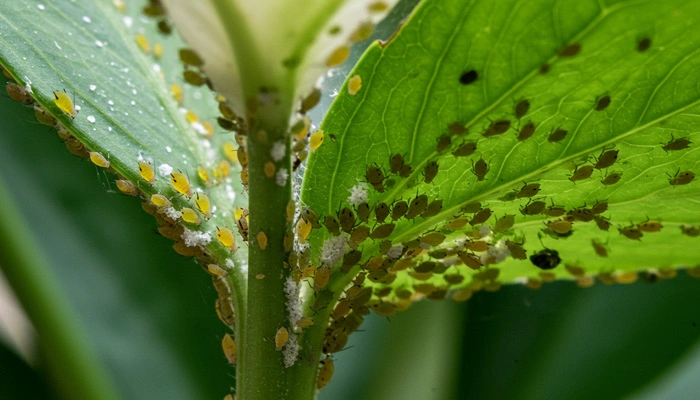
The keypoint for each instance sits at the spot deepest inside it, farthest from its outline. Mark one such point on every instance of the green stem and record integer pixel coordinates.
(75, 367)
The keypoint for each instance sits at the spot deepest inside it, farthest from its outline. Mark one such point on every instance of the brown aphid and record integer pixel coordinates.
(480, 169)
(382, 231)
(570, 50)
(677, 144)
(363, 212)
(681, 178)
(347, 219)
(581, 173)
(321, 278)
(557, 136)
(690, 230)
(470, 260)
(381, 211)
(612, 178)
(405, 171)
(694, 272)
(643, 44)
(516, 250)
(425, 266)
(650, 226)
(358, 236)
(453, 279)
(599, 207)
(342, 309)
(533, 208)
(431, 171)
(528, 190)
(481, 217)
(575, 270)
(385, 246)
(332, 224)
(504, 223)
(545, 68)
(477, 245)
(433, 239)
(310, 101)
(602, 223)
(395, 163)
(444, 142)
(606, 159)
(433, 209)
(602, 103)
(325, 373)
(581, 214)
(457, 129)
(599, 248)
(471, 208)
(350, 259)
(399, 210)
(561, 226)
(631, 232)
(468, 77)
(522, 108)
(18, 93)
(497, 128)
(374, 175)
(310, 216)
(554, 211)
(526, 131)
(438, 254)
(457, 223)
(417, 206)
(465, 149)
(194, 78)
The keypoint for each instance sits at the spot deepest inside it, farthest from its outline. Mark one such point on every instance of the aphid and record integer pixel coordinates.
(338, 56)
(178, 95)
(643, 44)
(480, 169)
(470, 260)
(417, 206)
(480, 217)
(677, 144)
(316, 140)
(431, 171)
(581, 214)
(189, 57)
(399, 210)
(516, 250)
(354, 84)
(395, 163)
(471, 208)
(358, 236)
(581, 173)
(363, 212)
(216, 270)
(229, 347)
(631, 232)
(18, 93)
(321, 278)
(528, 190)
(158, 50)
(468, 77)
(606, 159)
(303, 229)
(382, 231)
(65, 103)
(533, 208)
(362, 33)
(190, 216)
(126, 187)
(405, 171)
(43, 117)
(465, 149)
(554, 211)
(433, 239)
(433, 209)
(374, 175)
(478, 245)
(325, 373)
(504, 223)
(269, 169)
(650, 226)
(545, 68)
(602, 103)
(561, 226)
(456, 224)
(350, 259)
(681, 178)
(612, 178)
(444, 143)
(522, 108)
(599, 248)
(456, 128)
(160, 200)
(557, 136)
(226, 238)
(310, 101)
(163, 26)
(225, 168)
(225, 312)
(147, 172)
(599, 207)
(381, 211)
(602, 223)
(305, 322)
(526, 131)
(546, 259)
(497, 128)
(575, 270)
(690, 230)
(281, 338)
(626, 277)
(347, 219)
(99, 160)
(181, 183)
(142, 42)
(570, 50)
(194, 78)
(203, 204)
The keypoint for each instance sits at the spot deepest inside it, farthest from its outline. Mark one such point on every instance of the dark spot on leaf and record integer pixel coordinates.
(570, 50)
(544, 68)
(522, 108)
(602, 103)
(643, 45)
(468, 77)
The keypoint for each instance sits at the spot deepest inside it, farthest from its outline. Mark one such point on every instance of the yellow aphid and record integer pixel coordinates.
(325, 373)
(229, 347)
(238, 213)
(147, 172)
(203, 204)
(120, 5)
(191, 116)
(225, 168)
(231, 151)
(260, 276)
(181, 183)
(262, 240)
(65, 103)
(226, 238)
(142, 41)
(99, 160)
(158, 50)
(290, 210)
(216, 270)
(203, 175)
(585, 281)
(338, 56)
(269, 169)
(126, 187)
(303, 229)
(378, 7)
(305, 322)
(209, 127)
(281, 338)
(626, 277)
(229, 397)
(362, 33)
(321, 278)
(177, 93)
(160, 200)
(301, 128)
(189, 215)
(354, 85)
(316, 140)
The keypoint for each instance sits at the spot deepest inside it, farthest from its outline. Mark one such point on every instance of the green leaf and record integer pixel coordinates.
(471, 64)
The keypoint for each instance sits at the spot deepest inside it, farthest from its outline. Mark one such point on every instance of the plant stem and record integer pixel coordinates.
(75, 367)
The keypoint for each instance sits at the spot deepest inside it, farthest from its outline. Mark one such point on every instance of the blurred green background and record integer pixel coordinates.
(149, 313)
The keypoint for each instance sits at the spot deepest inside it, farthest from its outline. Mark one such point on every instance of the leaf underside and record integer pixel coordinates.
(472, 65)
